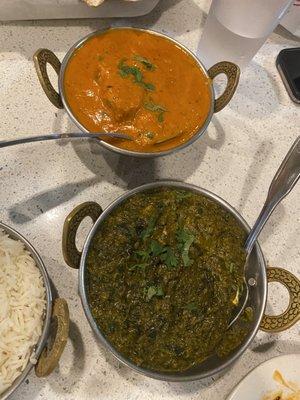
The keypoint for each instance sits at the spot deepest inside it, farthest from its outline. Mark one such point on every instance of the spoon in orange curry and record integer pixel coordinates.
(56, 136)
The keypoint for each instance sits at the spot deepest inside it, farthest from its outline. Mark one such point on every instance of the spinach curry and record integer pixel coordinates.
(136, 82)
(164, 272)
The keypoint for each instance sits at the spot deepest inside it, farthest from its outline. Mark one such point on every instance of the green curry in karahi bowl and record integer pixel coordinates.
(164, 273)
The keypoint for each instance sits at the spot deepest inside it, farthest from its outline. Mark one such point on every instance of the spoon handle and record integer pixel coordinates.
(283, 182)
(55, 136)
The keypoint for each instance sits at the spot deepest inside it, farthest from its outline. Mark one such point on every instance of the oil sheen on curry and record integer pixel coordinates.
(138, 83)
(164, 273)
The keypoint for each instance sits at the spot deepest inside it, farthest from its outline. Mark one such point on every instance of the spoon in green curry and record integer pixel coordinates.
(56, 136)
(283, 182)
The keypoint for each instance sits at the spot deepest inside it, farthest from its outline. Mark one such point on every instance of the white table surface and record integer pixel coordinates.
(41, 183)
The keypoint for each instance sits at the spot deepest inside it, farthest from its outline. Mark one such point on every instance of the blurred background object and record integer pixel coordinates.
(20, 10)
(235, 30)
(288, 65)
(291, 21)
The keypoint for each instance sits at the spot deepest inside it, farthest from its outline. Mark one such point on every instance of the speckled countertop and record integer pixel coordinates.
(41, 183)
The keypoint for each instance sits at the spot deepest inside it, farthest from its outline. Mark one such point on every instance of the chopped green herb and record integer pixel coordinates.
(127, 70)
(123, 74)
(161, 117)
(146, 63)
(149, 135)
(199, 210)
(180, 195)
(169, 258)
(150, 228)
(191, 307)
(122, 64)
(239, 290)
(165, 253)
(156, 108)
(100, 58)
(143, 254)
(111, 327)
(148, 86)
(141, 266)
(151, 224)
(185, 240)
(154, 291)
(231, 267)
(138, 75)
(156, 248)
(248, 314)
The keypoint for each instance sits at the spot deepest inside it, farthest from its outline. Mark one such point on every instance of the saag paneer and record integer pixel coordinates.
(163, 273)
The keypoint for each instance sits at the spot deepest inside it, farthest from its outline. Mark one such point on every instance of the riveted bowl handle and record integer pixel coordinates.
(232, 72)
(41, 58)
(50, 356)
(71, 254)
(279, 323)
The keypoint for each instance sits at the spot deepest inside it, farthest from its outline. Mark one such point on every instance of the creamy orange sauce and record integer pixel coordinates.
(138, 83)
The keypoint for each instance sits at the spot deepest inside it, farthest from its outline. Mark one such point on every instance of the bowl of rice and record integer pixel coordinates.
(29, 315)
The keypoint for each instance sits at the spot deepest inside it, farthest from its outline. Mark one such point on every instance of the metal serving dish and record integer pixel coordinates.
(56, 324)
(257, 295)
(43, 56)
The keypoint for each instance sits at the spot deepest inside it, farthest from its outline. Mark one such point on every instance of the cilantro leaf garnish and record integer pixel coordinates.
(156, 248)
(146, 63)
(141, 266)
(169, 258)
(185, 240)
(156, 108)
(154, 291)
(126, 70)
(161, 117)
(148, 86)
(182, 194)
(143, 254)
(191, 307)
(151, 106)
(164, 253)
(150, 227)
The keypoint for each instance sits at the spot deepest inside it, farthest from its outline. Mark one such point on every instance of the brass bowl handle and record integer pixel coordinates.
(70, 252)
(232, 72)
(279, 323)
(49, 357)
(40, 59)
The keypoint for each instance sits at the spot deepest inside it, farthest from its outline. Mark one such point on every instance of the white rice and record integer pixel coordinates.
(22, 307)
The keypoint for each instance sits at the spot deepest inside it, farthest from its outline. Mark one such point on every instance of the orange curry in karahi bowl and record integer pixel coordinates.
(138, 83)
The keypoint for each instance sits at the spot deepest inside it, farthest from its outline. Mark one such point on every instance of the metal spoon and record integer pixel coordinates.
(283, 182)
(55, 136)
(163, 140)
